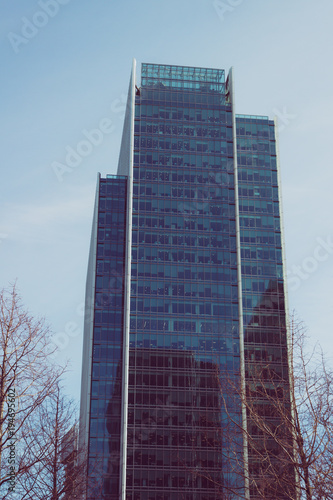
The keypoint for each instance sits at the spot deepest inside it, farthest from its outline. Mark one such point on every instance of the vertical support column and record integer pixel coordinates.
(128, 155)
(285, 289)
(88, 332)
(240, 294)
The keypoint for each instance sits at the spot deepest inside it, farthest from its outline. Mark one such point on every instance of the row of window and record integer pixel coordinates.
(199, 206)
(258, 206)
(163, 158)
(110, 233)
(270, 354)
(105, 370)
(168, 307)
(144, 154)
(183, 361)
(105, 334)
(263, 318)
(111, 352)
(262, 176)
(257, 131)
(178, 361)
(268, 301)
(179, 417)
(110, 204)
(146, 126)
(260, 191)
(198, 255)
(193, 176)
(195, 193)
(167, 379)
(174, 438)
(224, 129)
(157, 71)
(196, 223)
(113, 277)
(259, 221)
(100, 406)
(110, 318)
(174, 95)
(229, 363)
(203, 189)
(103, 388)
(176, 398)
(260, 238)
(256, 284)
(103, 351)
(253, 145)
(184, 239)
(173, 130)
(109, 300)
(261, 253)
(192, 483)
(110, 220)
(189, 326)
(256, 160)
(186, 83)
(194, 290)
(115, 188)
(263, 269)
(264, 336)
(272, 373)
(180, 113)
(110, 250)
(175, 272)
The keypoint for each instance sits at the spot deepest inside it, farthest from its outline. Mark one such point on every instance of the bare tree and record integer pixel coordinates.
(289, 427)
(27, 379)
(312, 399)
(58, 472)
(289, 431)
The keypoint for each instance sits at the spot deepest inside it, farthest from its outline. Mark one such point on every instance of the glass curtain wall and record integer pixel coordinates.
(184, 335)
(265, 334)
(106, 380)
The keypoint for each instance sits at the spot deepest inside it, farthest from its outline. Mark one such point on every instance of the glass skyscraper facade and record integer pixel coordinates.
(185, 295)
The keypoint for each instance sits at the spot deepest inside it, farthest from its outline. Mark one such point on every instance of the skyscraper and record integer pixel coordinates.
(185, 298)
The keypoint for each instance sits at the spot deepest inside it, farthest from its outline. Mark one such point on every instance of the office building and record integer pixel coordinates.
(185, 299)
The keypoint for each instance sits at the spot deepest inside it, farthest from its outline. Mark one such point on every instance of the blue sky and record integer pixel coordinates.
(66, 66)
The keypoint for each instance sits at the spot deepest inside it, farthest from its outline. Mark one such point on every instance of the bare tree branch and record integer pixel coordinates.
(27, 380)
